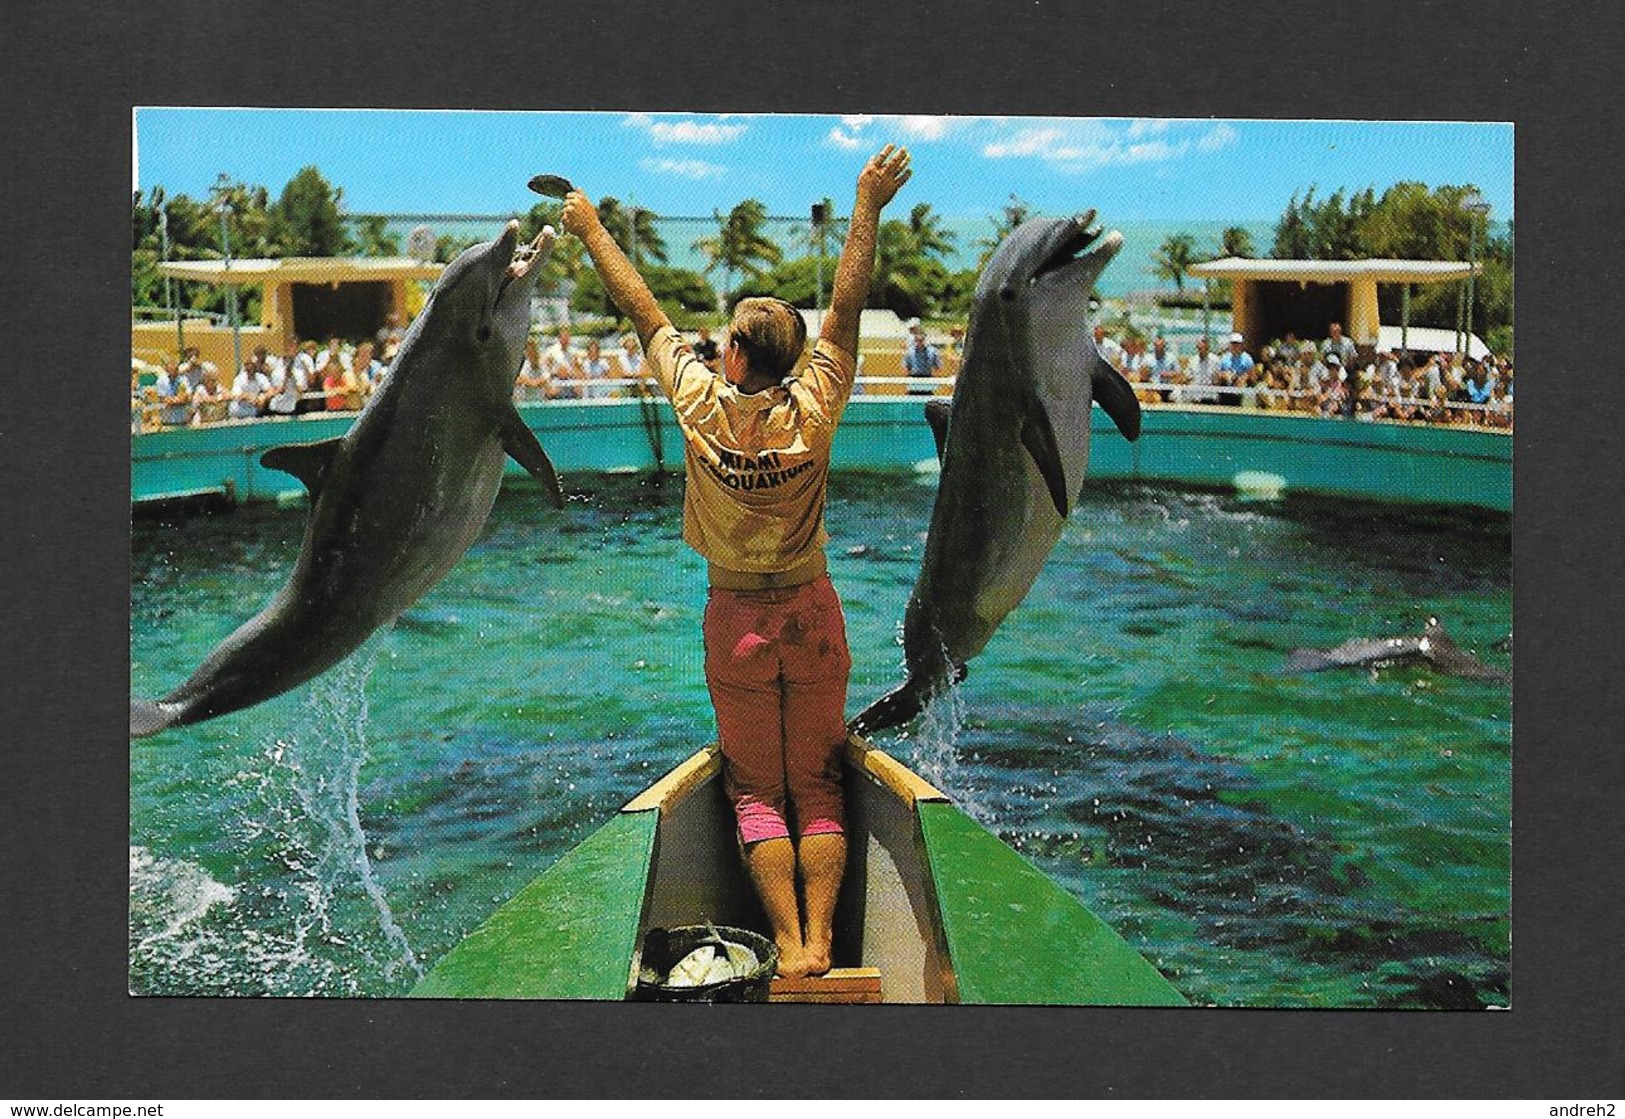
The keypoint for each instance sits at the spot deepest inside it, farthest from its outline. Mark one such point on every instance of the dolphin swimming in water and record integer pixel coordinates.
(1432, 646)
(398, 499)
(1014, 445)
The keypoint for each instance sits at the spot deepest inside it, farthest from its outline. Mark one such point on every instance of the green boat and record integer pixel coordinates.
(933, 909)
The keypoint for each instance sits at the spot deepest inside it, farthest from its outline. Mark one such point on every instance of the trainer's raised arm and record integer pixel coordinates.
(878, 183)
(621, 280)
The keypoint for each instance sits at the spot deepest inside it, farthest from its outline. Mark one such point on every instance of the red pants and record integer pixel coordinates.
(777, 664)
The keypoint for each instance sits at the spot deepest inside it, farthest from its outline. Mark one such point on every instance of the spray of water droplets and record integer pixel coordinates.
(315, 920)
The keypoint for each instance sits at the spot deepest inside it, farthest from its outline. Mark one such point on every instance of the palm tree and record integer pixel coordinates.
(930, 239)
(1015, 212)
(1236, 241)
(634, 230)
(1177, 253)
(740, 245)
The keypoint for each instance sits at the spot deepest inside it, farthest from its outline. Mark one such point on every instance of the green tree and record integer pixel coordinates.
(1176, 253)
(906, 280)
(306, 220)
(1237, 242)
(622, 222)
(372, 237)
(1014, 213)
(740, 245)
(671, 287)
(925, 227)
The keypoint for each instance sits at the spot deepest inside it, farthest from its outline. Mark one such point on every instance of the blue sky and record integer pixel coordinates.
(477, 162)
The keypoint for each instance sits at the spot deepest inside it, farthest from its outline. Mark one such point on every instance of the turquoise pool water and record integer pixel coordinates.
(1338, 839)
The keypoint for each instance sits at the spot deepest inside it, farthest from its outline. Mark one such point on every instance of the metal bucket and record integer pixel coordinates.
(664, 948)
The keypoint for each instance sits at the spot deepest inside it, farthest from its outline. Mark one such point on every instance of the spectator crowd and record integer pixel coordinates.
(341, 376)
(1326, 378)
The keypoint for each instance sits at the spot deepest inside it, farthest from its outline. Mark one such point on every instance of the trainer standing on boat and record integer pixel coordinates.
(756, 448)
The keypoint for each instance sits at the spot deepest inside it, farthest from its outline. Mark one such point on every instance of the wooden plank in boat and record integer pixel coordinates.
(845, 985)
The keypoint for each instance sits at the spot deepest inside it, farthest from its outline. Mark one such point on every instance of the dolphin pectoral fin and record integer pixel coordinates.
(520, 442)
(306, 461)
(937, 414)
(1039, 438)
(1115, 396)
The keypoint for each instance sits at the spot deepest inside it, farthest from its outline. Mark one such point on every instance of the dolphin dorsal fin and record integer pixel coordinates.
(937, 413)
(1115, 396)
(306, 461)
(520, 442)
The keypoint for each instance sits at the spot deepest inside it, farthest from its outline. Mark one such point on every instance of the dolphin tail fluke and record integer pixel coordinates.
(1115, 396)
(891, 710)
(147, 717)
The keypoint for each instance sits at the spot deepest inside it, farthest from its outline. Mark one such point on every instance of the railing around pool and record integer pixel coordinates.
(1494, 415)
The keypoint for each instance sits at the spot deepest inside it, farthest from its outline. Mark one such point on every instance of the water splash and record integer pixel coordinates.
(312, 917)
(310, 807)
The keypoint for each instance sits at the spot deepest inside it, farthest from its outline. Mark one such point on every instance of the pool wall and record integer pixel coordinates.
(1255, 452)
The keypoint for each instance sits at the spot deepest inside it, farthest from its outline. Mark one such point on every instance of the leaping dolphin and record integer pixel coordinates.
(1014, 447)
(398, 499)
(1432, 646)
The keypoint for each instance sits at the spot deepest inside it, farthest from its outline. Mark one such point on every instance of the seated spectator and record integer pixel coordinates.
(251, 389)
(285, 385)
(920, 358)
(389, 337)
(333, 352)
(342, 389)
(138, 402)
(531, 385)
(210, 398)
(305, 378)
(1163, 368)
(1109, 349)
(1340, 344)
(595, 371)
(1236, 366)
(191, 366)
(174, 396)
(1202, 372)
(366, 368)
(562, 367)
(629, 359)
(1333, 397)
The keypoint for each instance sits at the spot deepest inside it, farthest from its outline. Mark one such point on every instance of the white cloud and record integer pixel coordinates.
(1080, 146)
(685, 131)
(684, 168)
(1029, 141)
(857, 121)
(925, 128)
(839, 139)
(1218, 137)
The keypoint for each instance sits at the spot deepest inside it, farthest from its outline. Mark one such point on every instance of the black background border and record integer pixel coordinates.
(74, 71)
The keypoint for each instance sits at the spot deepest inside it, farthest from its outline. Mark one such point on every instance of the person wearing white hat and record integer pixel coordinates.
(1235, 367)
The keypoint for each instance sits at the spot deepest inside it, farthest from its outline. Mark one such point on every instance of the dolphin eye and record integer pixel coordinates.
(484, 332)
(1007, 292)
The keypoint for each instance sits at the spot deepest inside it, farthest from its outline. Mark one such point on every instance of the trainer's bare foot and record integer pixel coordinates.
(815, 956)
(792, 961)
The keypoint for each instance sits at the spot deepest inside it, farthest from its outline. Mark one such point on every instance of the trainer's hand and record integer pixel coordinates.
(580, 217)
(884, 175)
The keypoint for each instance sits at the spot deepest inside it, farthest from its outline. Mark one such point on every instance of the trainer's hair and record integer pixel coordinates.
(771, 332)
